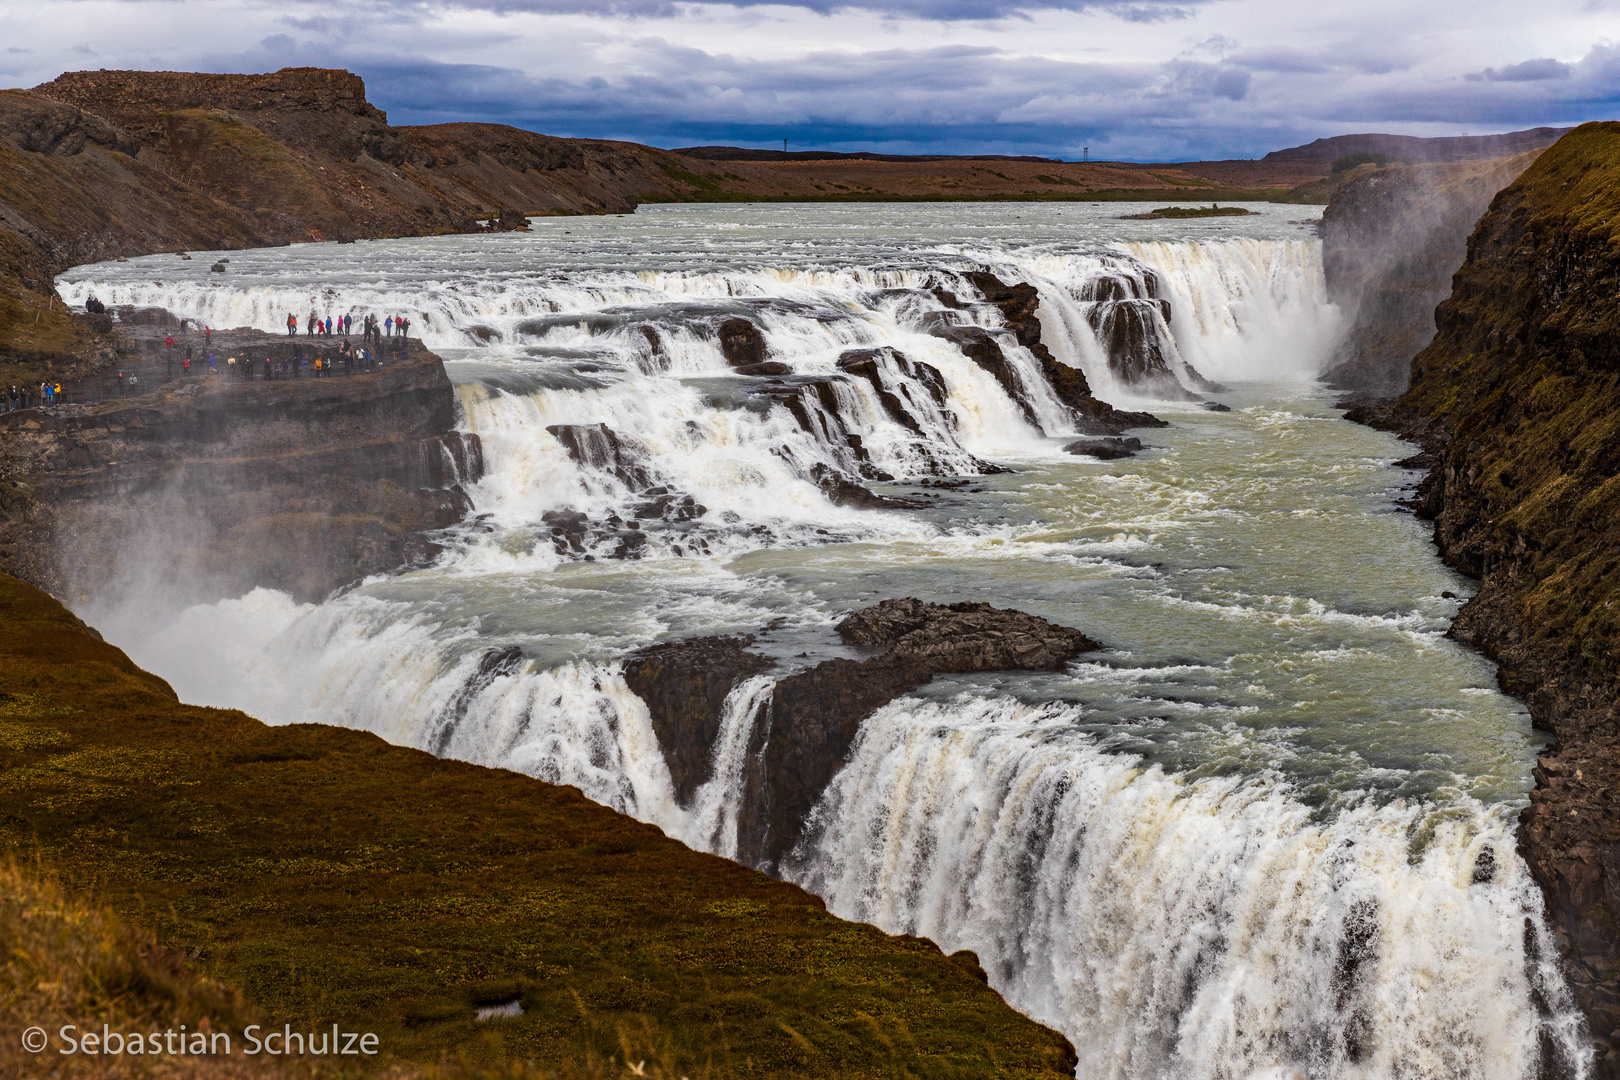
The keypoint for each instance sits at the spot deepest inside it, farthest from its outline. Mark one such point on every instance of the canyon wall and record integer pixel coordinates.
(212, 486)
(1517, 401)
(1392, 237)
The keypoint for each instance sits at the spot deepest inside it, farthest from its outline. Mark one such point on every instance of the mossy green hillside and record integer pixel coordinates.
(334, 878)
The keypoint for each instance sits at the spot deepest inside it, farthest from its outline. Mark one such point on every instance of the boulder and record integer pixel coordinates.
(814, 716)
(685, 684)
(742, 343)
(1105, 449)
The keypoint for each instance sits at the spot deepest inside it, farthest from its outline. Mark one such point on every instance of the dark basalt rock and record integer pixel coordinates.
(685, 684)
(1105, 449)
(1018, 304)
(214, 485)
(1128, 331)
(841, 491)
(814, 716)
(896, 395)
(742, 343)
(769, 367)
(801, 738)
(980, 346)
(600, 447)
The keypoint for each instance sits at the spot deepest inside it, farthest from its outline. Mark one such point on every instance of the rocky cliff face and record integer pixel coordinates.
(1518, 400)
(1392, 237)
(214, 485)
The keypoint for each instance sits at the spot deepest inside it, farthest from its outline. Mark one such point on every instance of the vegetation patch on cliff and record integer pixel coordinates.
(334, 878)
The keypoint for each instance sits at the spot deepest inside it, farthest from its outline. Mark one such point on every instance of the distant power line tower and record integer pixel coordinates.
(1085, 153)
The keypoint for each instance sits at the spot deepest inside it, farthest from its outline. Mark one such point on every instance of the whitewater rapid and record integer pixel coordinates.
(1269, 829)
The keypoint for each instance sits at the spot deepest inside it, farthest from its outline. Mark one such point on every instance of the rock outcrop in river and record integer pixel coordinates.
(804, 731)
(1517, 400)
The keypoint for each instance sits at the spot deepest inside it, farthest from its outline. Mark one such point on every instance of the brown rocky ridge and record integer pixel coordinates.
(1516, 401)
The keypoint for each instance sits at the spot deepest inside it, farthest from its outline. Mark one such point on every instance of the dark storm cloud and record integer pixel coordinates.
(1529, 71)
(1148, 80)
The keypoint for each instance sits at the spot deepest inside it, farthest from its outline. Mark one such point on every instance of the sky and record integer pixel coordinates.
(1135, 80)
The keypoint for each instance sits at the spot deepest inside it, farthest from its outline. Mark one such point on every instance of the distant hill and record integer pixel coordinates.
(1456, 148)
(738, 153)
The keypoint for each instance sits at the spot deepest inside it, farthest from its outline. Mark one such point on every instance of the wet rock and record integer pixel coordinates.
(685, 684)
(842, 491)
(964, 637)
(1105, 449)
(1128, 331)
(897, 395)
(598, 446)
(980, 346)
(814, 716)
(1215, 406)
(219, 485)
(1018, 304)
(662, 504)
(769, 367)
(742, 343)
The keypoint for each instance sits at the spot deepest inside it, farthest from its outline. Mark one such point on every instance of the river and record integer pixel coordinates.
(1268, 830)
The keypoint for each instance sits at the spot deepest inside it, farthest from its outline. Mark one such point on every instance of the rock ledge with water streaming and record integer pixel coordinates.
(802, 735)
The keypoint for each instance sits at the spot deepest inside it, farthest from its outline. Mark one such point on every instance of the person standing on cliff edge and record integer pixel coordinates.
(292, 325)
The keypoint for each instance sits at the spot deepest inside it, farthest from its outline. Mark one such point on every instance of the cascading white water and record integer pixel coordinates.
(1205, 928)
(1245, 309)
(1249, 846)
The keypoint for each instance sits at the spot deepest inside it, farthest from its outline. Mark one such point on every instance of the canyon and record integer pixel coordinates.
(1513, 402)
(309, 486)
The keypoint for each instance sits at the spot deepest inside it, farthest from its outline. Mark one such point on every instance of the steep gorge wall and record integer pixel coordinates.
(1392, 237)
(213, 486)
(1517, 399)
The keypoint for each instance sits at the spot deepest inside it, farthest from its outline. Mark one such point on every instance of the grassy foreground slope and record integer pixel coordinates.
(329, 877)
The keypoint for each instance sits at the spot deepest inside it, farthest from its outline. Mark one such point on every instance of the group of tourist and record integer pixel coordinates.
(27, 396)
(370, 326)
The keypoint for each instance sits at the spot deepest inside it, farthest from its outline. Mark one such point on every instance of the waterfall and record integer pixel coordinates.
(651, 475)
(1200, 928)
